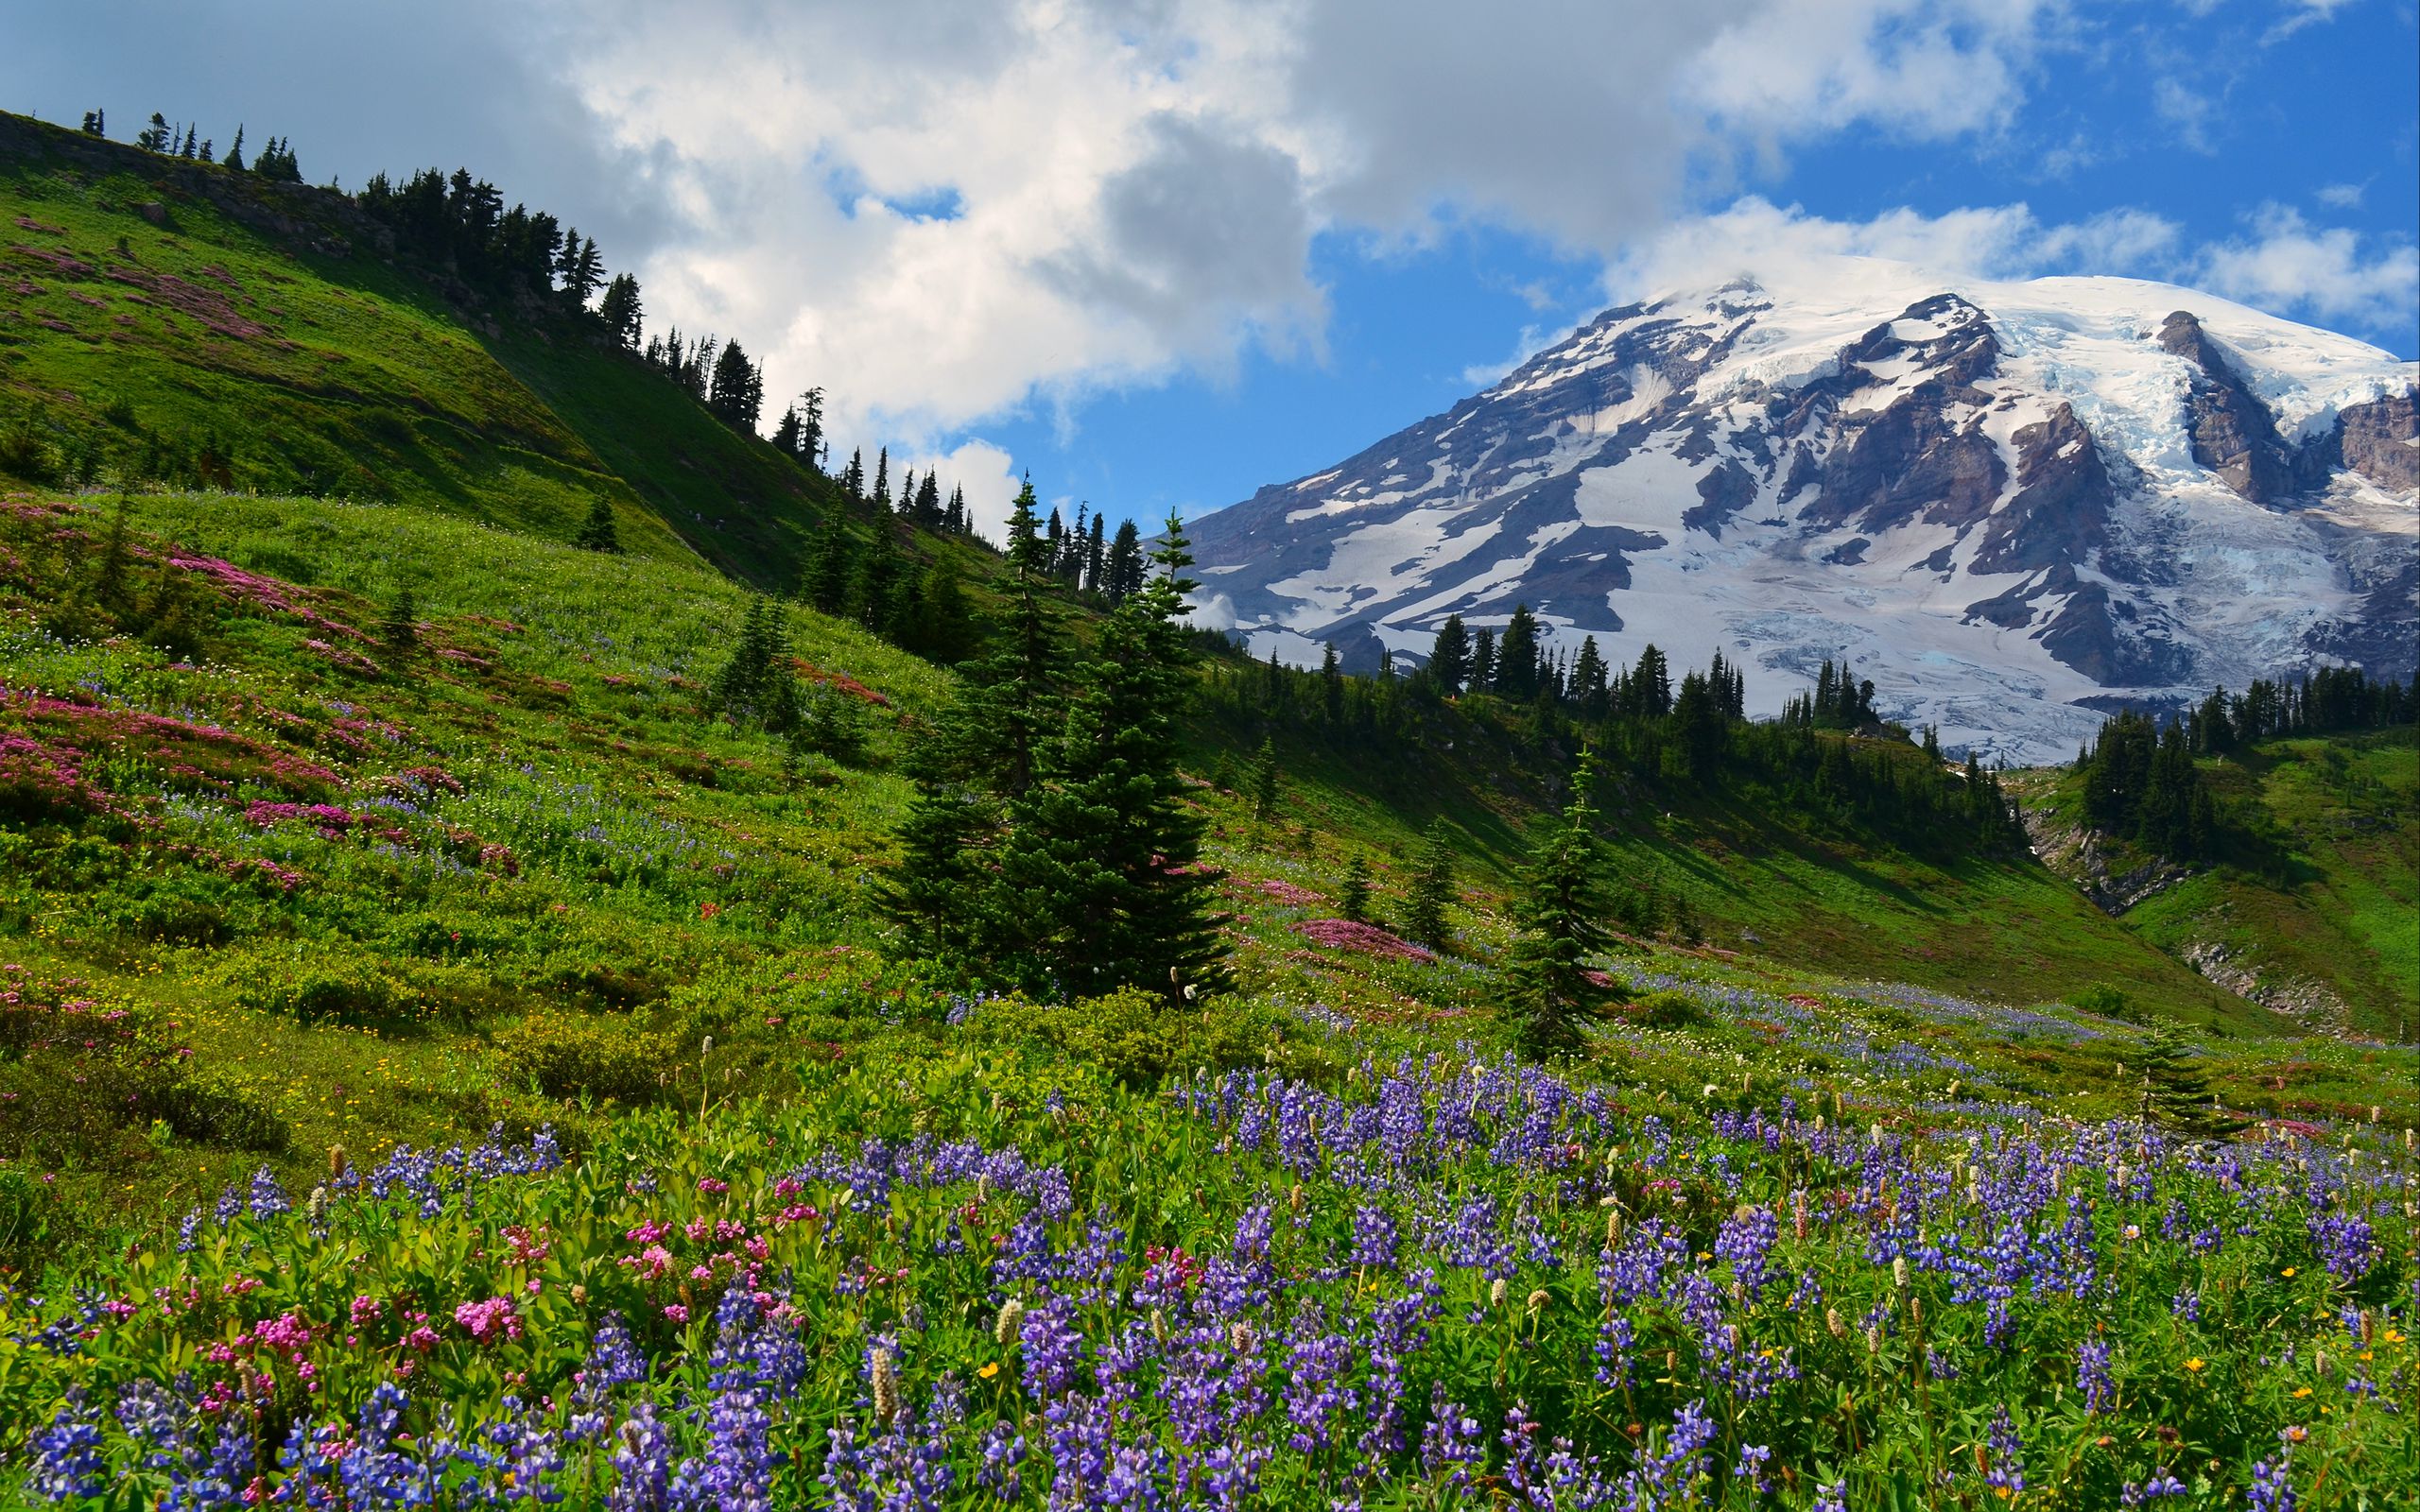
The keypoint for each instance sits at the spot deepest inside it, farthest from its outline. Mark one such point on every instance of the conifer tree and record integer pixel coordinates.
(399, 631)
(1352, 898)
(882, 481)
(1587, 683)
(1099, 876)
(1264, 781)
(621, 311)
(1449, 659)
(1562, 914)
(852, 477)
(2176, 1092)
(596, 532)
(1332, 685)
(834, 568)
(1516, 655)
(1482, 677)
(96, 124)
(1125, 567)
(936, 893)
(1432, 889)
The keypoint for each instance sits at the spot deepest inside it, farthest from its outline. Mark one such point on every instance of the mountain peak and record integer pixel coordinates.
(2011, 504)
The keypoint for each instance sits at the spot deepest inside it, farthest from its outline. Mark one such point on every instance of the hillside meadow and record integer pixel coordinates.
(444, 1064)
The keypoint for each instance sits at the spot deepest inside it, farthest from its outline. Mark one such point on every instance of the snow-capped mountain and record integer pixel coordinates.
(2012, 506)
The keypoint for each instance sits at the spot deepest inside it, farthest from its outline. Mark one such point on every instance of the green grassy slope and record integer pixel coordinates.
(286, 884)
(2334, 930)
(173, 320)
(1749, 882)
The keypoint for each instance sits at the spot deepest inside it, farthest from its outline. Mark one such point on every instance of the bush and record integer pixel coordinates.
(570, 1054)
(347, 994)
(1668, 1009)
(2109, 1002)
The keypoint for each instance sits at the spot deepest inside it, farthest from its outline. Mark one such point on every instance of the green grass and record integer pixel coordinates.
(257, 337)
(2339, 906)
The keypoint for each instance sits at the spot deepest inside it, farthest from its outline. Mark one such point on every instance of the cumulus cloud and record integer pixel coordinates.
(943, 211)
(2328, 273)
(1786, 248)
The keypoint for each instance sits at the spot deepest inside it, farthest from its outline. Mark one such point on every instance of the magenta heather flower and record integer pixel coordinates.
(491, 1320)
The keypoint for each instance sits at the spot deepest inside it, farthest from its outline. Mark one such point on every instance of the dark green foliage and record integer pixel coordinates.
(596, 532)
(735, 393)
(1352, 898)
(1264, 782)
(1099, 883)
(2175, 1092)
(399, 629)
(757, 684)
(1518, 668)
(828, 722)
(622, 311)
(1432, 889)
(1449, 659)
(1555, 993)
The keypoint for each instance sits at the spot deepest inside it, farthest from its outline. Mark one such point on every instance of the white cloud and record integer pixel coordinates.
(2328, 273)
(1787, 248)
(2341, 196)
(2300, 14)
(1132, 187)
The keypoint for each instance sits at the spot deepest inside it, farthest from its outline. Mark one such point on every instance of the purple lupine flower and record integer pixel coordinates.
(268, 1199)
(2272, 1484)
(1453, 1444)
(2160, 1484)
(2092, 1375)
(2007, 1471)
(1374, 1237)
(67, 1455)
(643, 1461)
(1752, 1458)
(1832, 1498)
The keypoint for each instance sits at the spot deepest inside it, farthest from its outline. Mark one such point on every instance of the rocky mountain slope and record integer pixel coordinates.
(2012, 506)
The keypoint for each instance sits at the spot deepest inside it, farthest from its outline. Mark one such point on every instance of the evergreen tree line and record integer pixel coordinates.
(1692, 737)
(2328, 701)
(2138, 774)
(920, 503)
(1049, 845)
(275, 161)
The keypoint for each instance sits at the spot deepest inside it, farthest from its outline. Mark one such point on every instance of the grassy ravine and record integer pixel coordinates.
(2342, 816)
(285, 884)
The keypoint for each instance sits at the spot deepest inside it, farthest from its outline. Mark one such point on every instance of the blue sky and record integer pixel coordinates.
(1161, 252)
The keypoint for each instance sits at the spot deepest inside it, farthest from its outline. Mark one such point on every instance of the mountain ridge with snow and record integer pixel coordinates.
(2014, 506)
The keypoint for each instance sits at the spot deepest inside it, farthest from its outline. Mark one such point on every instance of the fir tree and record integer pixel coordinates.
(1264, 782)
(399, 631)
(882, 482)
(155, 137)
(596, 533)
(756, 684)
(834, 567)
(952, 825)
(1432, 889)
(1352, 898)
(2176, 1092)
(1125, 565)
(1449, 659)
(1562, 912)
(1099, 874)
(1332, 685)
(621, 311)
(96, 124)
(1516, 655)
(1588, 684)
